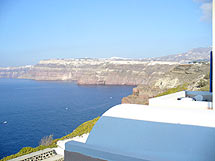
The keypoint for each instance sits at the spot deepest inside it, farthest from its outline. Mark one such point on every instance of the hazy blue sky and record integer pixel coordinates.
(31, 30)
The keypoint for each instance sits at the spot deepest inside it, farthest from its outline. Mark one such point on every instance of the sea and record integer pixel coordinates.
(30, 110)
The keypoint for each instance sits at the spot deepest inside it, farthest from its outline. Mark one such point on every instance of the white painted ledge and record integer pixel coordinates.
(61, 144)
(163, 114)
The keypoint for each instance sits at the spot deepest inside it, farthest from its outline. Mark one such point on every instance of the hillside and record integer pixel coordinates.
(181, 77)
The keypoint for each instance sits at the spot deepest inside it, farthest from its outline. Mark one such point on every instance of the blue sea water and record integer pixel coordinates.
(34, 109)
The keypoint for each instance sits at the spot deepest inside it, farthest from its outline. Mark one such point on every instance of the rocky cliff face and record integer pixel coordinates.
(92, 71)
(183, 76)
(162, 72)
(14, 72)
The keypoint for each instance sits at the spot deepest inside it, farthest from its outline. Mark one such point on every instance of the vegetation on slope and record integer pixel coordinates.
(84, 128)
(174, 90)
(202, 85)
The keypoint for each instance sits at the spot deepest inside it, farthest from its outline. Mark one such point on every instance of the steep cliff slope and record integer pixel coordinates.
(181, 77)
(92, 71)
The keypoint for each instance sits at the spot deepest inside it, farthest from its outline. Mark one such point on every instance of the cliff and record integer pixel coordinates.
(152, 77)
(181, 77)
(161, 71)
(91, 71)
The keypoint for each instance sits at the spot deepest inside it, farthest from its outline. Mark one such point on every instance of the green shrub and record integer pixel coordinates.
(26, 150)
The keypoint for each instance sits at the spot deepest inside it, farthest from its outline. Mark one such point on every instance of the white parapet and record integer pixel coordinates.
(172, 115)
(61, 144)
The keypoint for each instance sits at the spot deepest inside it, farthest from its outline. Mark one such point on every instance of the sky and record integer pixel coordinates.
(32, 30)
